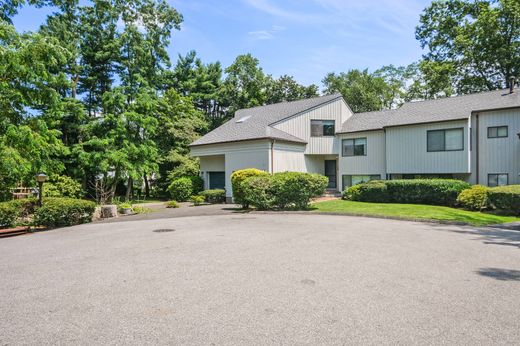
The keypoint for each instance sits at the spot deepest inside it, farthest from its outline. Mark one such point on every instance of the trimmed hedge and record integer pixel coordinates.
(474, 198)
(60, 212)
(415, 191)
(9, 214)
(182, 189)
(282, 190)
(237, 177)
(214, 196)
(258, 191)
(373, 191)
(296, 189)
(505, 198)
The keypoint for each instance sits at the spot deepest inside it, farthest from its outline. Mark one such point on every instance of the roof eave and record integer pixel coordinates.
(250, 139)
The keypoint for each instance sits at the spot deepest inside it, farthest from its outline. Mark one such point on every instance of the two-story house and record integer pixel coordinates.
(471, 137)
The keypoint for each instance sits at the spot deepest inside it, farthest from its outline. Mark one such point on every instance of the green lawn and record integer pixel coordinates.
(411, 212)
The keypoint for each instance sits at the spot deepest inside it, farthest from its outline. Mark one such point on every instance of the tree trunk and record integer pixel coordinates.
(146, 186)
(128, 189)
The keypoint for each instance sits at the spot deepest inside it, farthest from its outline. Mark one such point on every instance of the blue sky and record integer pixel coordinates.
(305, 38)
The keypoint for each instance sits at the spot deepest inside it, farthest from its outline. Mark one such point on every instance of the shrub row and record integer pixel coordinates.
(61, 212)
(55, 212)
(504, 199)
(280, 190)
(417, 191)
(214, 196)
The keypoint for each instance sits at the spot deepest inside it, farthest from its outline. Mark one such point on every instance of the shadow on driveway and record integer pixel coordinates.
(183, 211)
(500, 274)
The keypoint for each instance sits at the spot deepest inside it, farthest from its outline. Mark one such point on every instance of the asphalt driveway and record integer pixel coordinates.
(256, 279)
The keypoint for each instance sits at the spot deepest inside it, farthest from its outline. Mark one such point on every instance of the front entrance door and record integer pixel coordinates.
(330, 172)
(217, 180)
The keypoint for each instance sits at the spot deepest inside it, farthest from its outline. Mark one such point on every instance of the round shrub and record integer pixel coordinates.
(474, 198)
(236, 181)
(9, 213)
(214, 196)
(373, 191)
(295, 189)
(62, 186)
(172, 204)
(182, 189)
(60, 212)
(197, 200)
(258, 192)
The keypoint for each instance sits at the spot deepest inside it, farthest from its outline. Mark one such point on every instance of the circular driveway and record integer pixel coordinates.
(256, 279)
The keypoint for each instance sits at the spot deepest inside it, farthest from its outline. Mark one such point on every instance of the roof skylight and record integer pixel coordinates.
(241, 120)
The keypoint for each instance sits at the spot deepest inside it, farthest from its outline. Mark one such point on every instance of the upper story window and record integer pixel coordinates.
(354, 147)
(445, 140)
(497, 132)
(322, 128)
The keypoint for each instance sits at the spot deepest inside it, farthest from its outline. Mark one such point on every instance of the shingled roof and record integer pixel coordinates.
(444, 109)
(255, 123)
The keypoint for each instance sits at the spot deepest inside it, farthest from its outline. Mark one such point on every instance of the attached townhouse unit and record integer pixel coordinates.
(473, 137)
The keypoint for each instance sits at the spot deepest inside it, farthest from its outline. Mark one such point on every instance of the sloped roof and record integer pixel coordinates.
(255, 123)
(449, 108)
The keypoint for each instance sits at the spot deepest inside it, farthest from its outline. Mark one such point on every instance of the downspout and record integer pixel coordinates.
(272, 156)
(477, 155)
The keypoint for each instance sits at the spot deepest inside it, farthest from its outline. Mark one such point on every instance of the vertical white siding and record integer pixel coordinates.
(406, 150)
(212, 163)
(373, 163)
(499, 155)
(238, 155)
(300, 126)
(288, 157)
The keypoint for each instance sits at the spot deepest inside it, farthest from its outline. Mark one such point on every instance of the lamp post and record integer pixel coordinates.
(40, 178)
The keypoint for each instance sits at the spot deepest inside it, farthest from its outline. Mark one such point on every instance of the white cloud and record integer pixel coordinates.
(266, 34)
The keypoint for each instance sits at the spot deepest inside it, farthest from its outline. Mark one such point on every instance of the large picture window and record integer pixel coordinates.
(499, 179)
(445, 140)
(497, 132)
(322, 128)
(354, 147)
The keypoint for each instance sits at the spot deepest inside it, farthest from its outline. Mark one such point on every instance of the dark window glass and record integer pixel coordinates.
(328, 128)
(351, 180)
(354, 147)
(320, 128)
(445, 140)
(497, 132)
(499, 179)
(217, 180)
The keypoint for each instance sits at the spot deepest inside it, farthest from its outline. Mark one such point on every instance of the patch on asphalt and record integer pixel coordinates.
(308, 282)
(164, 230)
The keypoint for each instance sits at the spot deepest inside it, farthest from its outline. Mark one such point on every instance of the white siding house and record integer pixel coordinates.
(472, 137)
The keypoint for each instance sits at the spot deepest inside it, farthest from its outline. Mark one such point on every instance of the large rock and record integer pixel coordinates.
(108, 211)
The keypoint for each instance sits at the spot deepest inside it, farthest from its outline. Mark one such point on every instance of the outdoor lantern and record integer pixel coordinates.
(40, 178)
